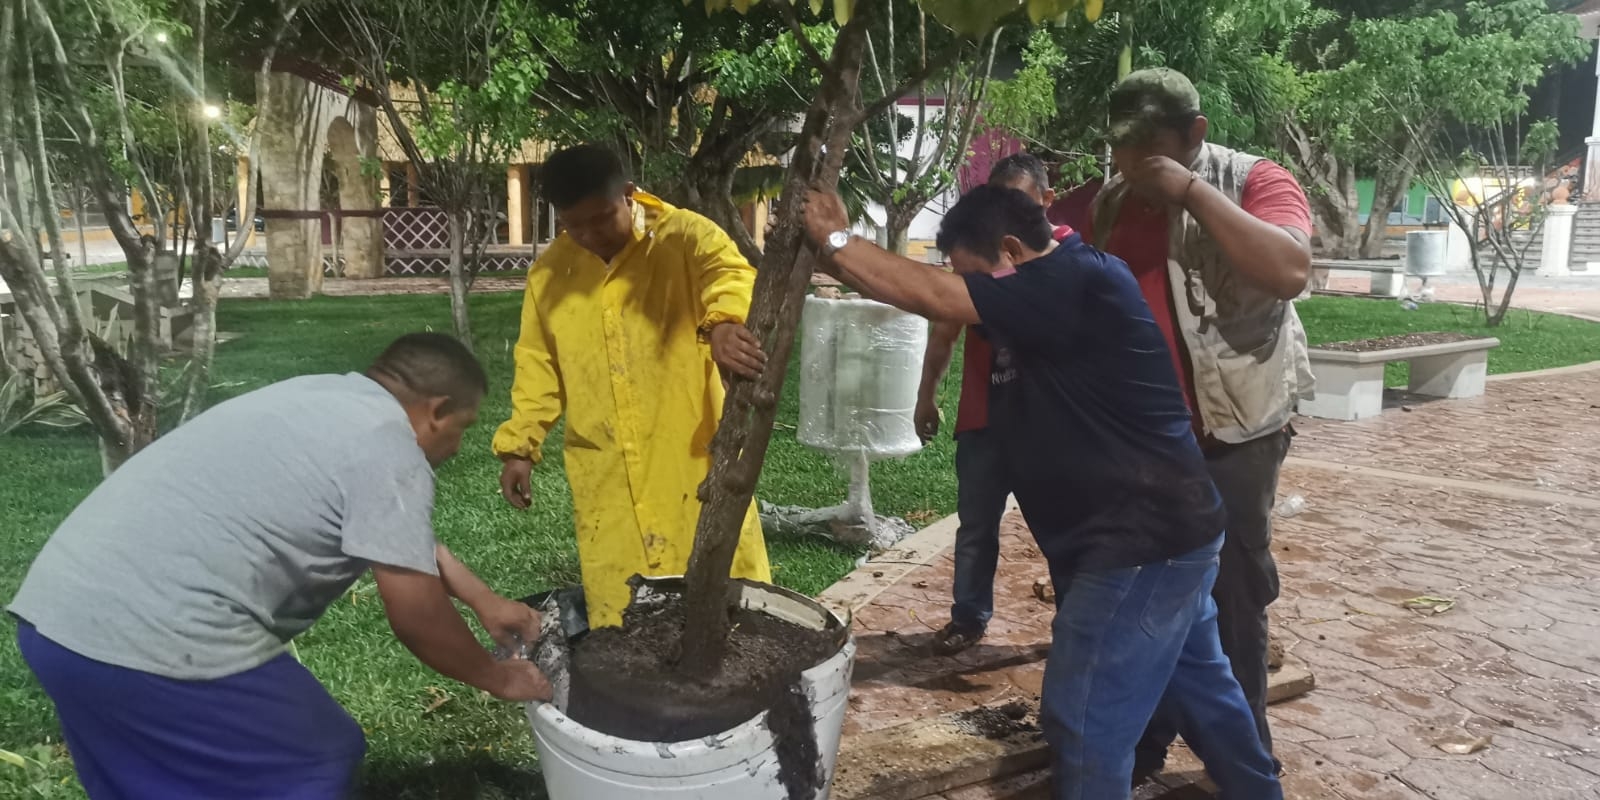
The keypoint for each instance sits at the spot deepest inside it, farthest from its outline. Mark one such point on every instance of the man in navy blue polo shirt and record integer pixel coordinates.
(1097, 444)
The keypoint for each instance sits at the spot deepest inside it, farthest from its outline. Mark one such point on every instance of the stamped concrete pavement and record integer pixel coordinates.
(1489, 692)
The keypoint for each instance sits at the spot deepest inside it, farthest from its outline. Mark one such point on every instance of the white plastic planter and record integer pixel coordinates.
(860, 367)
(580, 763)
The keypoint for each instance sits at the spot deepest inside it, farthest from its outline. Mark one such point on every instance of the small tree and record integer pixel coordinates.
(469, 74)
(90, 74)
(740, 445)
(941, 131)
(1490, 182)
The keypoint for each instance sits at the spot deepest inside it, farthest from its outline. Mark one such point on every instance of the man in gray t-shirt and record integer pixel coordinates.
(158, 615)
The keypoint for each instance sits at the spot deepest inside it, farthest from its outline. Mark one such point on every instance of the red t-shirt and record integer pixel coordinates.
(1271, 195)
(973, 413)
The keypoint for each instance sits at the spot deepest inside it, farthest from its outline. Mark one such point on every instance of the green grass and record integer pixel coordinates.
(469, 746)
(1528, 340)
(472, 747)
(250, 272)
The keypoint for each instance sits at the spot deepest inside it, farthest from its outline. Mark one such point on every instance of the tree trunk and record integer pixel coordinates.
(459, 316)
(710, 189)
(899, 217)
(207, 282)
(1330, 187)
(740, 444)
(713, 197)
(1389, 189)
(1335, 211)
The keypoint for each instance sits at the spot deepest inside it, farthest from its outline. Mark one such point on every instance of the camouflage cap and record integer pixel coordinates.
(1146, 101)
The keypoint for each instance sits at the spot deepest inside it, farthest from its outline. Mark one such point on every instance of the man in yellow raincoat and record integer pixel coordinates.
(632, 319)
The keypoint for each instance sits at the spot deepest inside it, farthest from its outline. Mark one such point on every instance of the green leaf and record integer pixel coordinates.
(979, 17)
(973, 17)
(8, 757)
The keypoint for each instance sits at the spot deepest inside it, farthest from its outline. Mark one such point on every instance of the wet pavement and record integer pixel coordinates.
(1489, 691)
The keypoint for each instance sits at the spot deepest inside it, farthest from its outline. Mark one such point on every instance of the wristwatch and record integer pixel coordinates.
(836, 242)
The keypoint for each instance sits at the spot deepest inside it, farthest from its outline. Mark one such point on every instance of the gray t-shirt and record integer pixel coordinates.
(213, 547)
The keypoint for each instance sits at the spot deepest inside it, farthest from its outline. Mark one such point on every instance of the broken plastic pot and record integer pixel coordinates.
(726, 759)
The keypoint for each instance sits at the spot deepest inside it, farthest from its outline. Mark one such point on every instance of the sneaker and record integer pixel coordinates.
(955, 637)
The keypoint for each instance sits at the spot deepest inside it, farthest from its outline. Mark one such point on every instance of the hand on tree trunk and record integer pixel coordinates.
(737, 351)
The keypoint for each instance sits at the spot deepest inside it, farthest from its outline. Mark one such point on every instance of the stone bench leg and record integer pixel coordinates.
(1387, 284)
(1457, 375)
(1346, 391)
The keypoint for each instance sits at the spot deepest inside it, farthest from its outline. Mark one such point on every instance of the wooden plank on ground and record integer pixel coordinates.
(917, 759)
(927, 758)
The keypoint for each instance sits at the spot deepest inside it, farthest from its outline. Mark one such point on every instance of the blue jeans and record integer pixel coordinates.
(981, 491)
(1127, 641)
(1247, 578)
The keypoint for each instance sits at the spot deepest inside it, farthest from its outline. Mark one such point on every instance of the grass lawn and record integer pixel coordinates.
(430, 738)
(468, 746)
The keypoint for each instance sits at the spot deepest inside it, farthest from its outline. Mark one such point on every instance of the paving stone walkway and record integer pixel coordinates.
(1574, 296)
(1493, 503)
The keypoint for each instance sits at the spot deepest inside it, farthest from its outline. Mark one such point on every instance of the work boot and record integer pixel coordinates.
(956, 637)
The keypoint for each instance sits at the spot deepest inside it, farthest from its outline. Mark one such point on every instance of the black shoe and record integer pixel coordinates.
(956, 637)
(1146, 768)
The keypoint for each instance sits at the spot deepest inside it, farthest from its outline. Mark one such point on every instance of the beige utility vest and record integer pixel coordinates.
(1247, 349)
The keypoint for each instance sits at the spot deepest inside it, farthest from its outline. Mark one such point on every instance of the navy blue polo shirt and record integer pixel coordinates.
(1088, 411)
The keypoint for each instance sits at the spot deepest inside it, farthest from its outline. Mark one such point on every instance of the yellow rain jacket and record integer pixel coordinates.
(617, 348)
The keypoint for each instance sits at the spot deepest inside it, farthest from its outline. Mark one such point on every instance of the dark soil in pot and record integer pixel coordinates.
(624, 684)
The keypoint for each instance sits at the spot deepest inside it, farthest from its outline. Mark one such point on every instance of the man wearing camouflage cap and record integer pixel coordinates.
(1220, 242)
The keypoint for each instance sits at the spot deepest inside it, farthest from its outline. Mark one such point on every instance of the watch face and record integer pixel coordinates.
(838, 239)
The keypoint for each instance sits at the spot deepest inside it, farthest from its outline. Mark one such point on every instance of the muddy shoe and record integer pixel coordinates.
(954, 638)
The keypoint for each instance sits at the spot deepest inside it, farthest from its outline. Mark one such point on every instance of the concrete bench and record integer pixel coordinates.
(1386, 280)
(1350, 374)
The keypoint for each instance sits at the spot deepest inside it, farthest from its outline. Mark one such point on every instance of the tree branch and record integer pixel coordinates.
(71, 317)
(911, 82)
(791, 18)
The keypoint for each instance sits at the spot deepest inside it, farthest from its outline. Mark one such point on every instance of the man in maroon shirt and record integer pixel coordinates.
(1220, 243)
(981, 490)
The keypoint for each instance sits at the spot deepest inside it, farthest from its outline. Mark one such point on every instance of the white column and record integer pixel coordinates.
(516, 203)
(1555, 256)
(1591, 171)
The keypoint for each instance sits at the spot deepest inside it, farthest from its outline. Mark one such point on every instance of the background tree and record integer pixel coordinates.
(1080, 60)
(80, 84)
(468, 74)
(1368, 93)
(1496, 171)
(940, 125)
(686, 97)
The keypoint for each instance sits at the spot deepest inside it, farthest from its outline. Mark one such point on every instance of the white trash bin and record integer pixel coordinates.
(1425, 253)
